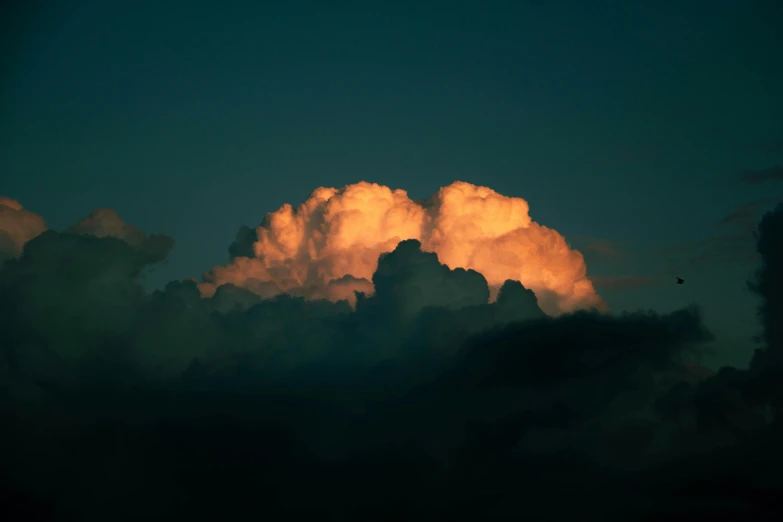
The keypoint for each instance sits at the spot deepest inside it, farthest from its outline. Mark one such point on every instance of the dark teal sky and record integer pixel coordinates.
(623, 124)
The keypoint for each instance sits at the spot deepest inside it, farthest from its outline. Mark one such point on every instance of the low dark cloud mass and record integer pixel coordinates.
(422, 402)
(753, 177)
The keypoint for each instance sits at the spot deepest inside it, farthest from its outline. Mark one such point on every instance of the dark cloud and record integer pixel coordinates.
(243, 244)
(424, 402)
(730, 424)
(768, 284)
(769, 279)
(408, 280)
(733, 241)
(106, 223)
(753, 177)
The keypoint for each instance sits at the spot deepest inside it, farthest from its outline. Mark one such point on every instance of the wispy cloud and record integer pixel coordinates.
(612, 256)
(746, 215)
(623, 282)
(606, 249)
(720, 249)
(733, 241)
(754, 177)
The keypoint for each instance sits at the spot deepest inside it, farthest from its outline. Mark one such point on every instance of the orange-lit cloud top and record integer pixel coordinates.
(329, 245)
(17, 227)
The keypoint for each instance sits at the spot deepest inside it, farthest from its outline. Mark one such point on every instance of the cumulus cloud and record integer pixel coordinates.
(17, 227)
(329, 245)
(423, 401)
(408, 280)
(105, 222)
(72, 291)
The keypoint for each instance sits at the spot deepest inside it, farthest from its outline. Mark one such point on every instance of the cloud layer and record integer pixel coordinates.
(328, 246)
(423, 401)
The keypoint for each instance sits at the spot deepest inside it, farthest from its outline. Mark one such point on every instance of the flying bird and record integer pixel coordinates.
(680, 281)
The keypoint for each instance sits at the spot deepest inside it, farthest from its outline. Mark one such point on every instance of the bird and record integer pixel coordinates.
(680, 281)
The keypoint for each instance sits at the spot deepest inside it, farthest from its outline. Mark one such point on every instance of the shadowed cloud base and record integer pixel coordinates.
(422, 401)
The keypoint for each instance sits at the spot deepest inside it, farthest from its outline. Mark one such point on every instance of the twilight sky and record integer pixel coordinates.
(208, 171)
(632, 128)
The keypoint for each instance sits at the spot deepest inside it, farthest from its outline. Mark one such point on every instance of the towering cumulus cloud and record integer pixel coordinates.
(328, 246)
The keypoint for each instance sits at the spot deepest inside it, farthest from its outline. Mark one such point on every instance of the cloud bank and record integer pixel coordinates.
(423, 401)
(328, 246)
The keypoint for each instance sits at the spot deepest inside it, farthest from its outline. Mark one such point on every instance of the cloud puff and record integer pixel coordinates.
(17, 226)
(70, 293)
(328, 246)
(408, 280)
(106, 223)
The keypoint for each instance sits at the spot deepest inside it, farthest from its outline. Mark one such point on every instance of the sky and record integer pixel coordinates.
(622, 123)
(643, 139)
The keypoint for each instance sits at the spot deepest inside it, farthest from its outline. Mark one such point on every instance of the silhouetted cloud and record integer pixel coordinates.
(753, 177)
(730, 424)
(423, 402)
(768, 283)
(106, 223)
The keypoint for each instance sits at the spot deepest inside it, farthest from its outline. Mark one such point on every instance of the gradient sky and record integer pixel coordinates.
(623, 124)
